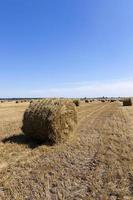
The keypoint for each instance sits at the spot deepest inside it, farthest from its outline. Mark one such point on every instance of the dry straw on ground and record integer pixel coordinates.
(51, 120)
(97, 164)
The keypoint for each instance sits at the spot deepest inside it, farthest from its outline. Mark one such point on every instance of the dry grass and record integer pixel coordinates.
(11, 115)
(94, 164)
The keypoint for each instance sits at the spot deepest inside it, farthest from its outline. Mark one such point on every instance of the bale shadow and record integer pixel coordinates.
(23, 139)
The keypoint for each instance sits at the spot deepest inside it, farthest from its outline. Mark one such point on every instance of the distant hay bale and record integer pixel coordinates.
(86, 101)
(127, 102)
(102, 100)
(112, 100)
(17, 101)
(50, 120)
(76, 102)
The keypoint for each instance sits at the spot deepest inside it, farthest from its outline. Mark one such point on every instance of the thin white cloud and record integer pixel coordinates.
(95, 89)
(77, 89)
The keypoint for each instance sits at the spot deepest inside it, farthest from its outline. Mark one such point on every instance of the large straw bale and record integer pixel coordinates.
(49, 119)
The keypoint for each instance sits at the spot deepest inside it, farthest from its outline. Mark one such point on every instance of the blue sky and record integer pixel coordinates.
(66, 48)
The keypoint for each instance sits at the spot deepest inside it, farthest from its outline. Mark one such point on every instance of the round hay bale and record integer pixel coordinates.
(103, 101)
(86, 101)
(76, 102)
(127, 102)
(50, 120)
(112, 100)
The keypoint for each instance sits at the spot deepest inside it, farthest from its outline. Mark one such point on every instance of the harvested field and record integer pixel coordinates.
(11, 115)
(96, 163)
